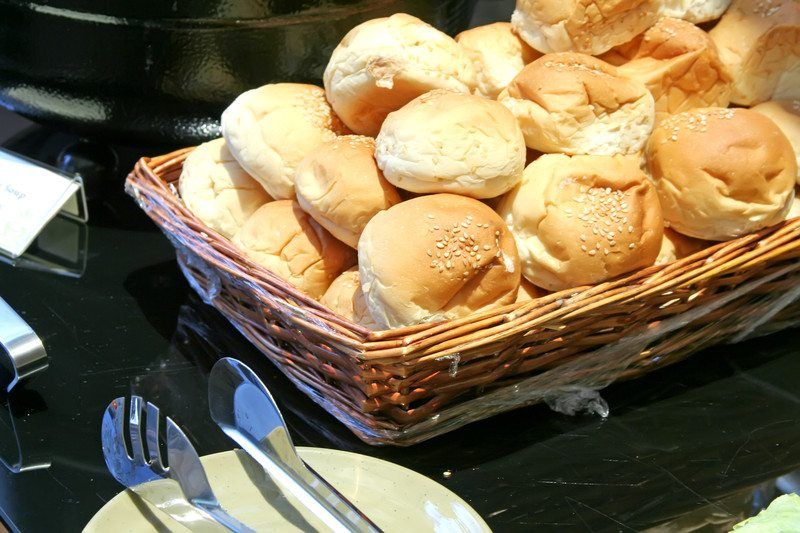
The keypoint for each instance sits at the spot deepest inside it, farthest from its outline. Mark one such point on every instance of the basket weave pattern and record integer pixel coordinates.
(405, 385)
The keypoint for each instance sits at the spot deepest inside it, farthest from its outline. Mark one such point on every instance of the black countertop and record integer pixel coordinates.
(702, 440)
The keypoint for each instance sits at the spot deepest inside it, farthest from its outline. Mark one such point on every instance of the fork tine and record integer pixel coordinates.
(151, 436)
(135, 420)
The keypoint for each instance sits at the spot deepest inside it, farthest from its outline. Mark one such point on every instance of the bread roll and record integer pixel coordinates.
(675, 246)
(384, 63)
(497, 53)
(528, 291)
(794, 210)
(679, 64)
(721, 173)
(450, 142)
(436, 257)
(759, 43)
(341, 186)
(269, 130)
(583, 219)
(217, 190)
(587, 26)
(786, 114)
(284, 239)
(695, 11)
(345, 298)
(577, 104)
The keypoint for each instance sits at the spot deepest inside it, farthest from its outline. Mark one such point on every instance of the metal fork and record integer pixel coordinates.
(181, 490)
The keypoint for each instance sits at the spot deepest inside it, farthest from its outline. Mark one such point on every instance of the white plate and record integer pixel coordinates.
(395, 498)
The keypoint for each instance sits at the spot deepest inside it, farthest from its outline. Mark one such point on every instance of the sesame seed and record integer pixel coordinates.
(583, 247)
(631, 246)
(430, 216)
(592, 252)
(449, 264)
(486, 247)
(447, 254)
(436, 227)
(439, 245)
(430, 254)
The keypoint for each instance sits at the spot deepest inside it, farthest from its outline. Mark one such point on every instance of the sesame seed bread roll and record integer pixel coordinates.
(450, 142)
(345, 298)
(586, 26)
(269, 130)
(284, 239)
(583, 219)
(341, 186)
(694, 11)
(436, 257)
(497, 53)
(384, 63)
(680, 66)
(759, 44)
(217, 190)
(786, 115)
(577, 104)
(721, 173)
(675, 246)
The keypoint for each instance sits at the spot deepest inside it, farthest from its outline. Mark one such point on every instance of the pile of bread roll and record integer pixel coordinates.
(435, 177)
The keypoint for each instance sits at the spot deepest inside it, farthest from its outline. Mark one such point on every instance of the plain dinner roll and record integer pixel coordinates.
(269, 130)
(583, 219)
(436, 257)
(675, 246)
(345, 298)
(497, 53)
(794, 211)
(786, 114)
(587, 26)
(577, 104)
(341, 186)
(285, 240)
(450, 142)
(759, 43)
(383, 63)
(721, 173)
(679, 63)
(695, 11)
(217, 190)
(528, 291)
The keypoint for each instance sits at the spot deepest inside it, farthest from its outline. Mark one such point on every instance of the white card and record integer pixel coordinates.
(30, 196)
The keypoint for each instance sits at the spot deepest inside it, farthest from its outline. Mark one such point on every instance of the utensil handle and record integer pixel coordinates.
(24, 353)
(222, 517)
(342, 504)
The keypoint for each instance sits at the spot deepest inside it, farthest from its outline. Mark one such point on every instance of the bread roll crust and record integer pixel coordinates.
(285, 240)
(384, 63)
(345, 298)
(583, 219)
(578, 104)
(436, 257)
(342, 188)
(721, 173)
(676, 246)
(694, 11)
(450, 142)
(217, 190)
(786, 115)
(269, 130)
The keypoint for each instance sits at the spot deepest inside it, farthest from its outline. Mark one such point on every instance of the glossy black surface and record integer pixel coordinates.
(163, 71)
(704, 438)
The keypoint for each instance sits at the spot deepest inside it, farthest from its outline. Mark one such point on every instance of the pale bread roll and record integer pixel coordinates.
(721, 173)
(497, 53)
(269, 130)
(217, 190)
(759, 44)
(786, 115)
(285, 240)
(587, 26)
(676, 246)
(583, 219)
(528, 291)
(578, 104)
(794, 210)
(341, 186)
(345, 298)
(384, 63)
(451, 142)
(694, 11)
(436, 257)
(679, 64)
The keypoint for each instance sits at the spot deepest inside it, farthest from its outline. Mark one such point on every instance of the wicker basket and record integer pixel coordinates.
(406, 385)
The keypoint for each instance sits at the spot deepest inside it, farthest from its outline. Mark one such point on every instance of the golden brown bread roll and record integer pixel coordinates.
(583, 219)
(345, 298)
(676, 246)
(284, 239)
(786, 115)
(528, 291)
(384, 63)
(578, 104)
(721, 173)
(694, 11)
(341, 186)
(217, 190)
(436, 257)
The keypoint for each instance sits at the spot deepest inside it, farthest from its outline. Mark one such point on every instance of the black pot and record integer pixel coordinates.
(162, 71)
